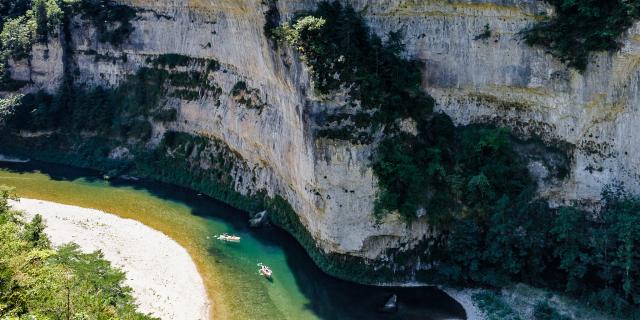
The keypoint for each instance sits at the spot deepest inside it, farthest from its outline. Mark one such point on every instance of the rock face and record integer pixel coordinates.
(330, 184)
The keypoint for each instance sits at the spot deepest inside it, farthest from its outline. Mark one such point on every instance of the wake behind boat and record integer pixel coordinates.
(228, 238)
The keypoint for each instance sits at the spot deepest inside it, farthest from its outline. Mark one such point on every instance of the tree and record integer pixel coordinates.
(34, 233)
(6, 194)
(17, 37)
(37, 282)
(571, 237)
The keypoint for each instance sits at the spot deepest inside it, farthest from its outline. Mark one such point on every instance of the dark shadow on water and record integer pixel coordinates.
(330, 298)
(54, 171)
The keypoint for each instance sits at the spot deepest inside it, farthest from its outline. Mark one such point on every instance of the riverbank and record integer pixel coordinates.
(465, 298)
(299, 291)
(164, 278)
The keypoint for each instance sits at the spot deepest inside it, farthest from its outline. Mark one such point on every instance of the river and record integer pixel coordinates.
(299, 290)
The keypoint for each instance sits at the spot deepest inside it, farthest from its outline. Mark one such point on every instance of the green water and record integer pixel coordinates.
(299, 290)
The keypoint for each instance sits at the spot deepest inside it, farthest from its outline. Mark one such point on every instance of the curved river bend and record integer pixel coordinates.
(299, 289)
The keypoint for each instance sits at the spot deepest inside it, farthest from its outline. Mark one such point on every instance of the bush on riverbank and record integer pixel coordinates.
(37, 281)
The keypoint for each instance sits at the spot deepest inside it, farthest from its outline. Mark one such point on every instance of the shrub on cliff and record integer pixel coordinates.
(22, 23)
(344, 54)
(17, 37)
(580, 27)
(21, 32)
(111, 20)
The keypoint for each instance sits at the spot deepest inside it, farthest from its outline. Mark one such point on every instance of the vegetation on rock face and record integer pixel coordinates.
(581, 27)
(38, 282)
(343, 54)
(120, 112)
(247, 97)
(123, 112)
(486, 33)
(173, 60)
(418, 172)
(469, 182)
(111, 20)
(25, 22)
(271, 17)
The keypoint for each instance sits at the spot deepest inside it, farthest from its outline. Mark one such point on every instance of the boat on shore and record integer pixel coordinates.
(265, 271)
(228, 238)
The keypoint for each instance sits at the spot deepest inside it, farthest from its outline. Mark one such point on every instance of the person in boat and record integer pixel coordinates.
(265, 271)
(227, 237)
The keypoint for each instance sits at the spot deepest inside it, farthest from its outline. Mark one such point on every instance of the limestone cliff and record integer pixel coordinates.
(330, 184)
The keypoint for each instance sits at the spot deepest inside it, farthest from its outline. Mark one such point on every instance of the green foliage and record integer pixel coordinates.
(48, 15)
(116, 112)
(20, 32)
(449, 170)
(6, 193)
(34, 233)
(592, 257)
(17, 37)
(10, 9)
(543, 311)
(486, 33)
(248, 97)
(137, 129)
(172, 60)
(238, 88)
(344, 54)
(481, 199)
(493, 307)
(111, 20)
(7, 107)
(271, 17)
(470, 183)
(599, 255)
(166, 115)
(22, 23)
(37, 282)
(580, 27)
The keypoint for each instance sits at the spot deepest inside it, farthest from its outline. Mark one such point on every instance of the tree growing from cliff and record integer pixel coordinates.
(17, 37)
(47, 15)
(580, 27)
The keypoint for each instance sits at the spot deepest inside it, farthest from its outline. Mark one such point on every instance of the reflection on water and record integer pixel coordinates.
(299, 290)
